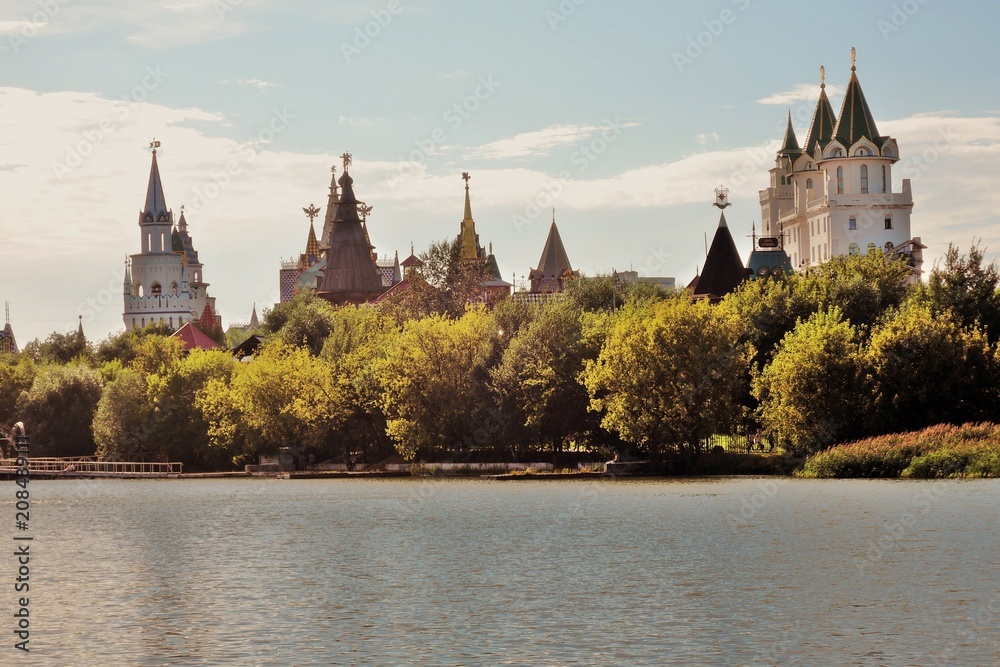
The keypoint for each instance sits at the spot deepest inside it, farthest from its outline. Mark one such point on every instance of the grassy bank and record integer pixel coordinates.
(970, 450)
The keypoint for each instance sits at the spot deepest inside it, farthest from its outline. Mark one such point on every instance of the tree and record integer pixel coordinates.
(17, 374)
(928, 370)
(967, 287)
(811, 393)
(305, 320)
(122, 346)
(122, 420)
(537, 378)
(433, 385)
(59, 409)
(59, 348)
(669, 374)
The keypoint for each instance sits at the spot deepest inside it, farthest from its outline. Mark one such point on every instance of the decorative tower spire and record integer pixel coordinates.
(254, 322)
(468, 238)
(79, 328)
(823, 120)
(155, 209)
(790, 145)
(855, 121)
(331, 210)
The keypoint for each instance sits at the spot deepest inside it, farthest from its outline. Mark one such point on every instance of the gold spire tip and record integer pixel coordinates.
(854, 59)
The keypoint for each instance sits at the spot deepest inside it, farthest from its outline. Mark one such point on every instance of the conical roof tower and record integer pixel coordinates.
(723, 271)
(554, 266)
(350, 275)
(855, 121)
(823, 120)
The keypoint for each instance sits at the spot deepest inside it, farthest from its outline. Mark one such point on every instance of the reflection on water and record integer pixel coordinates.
(318, 572)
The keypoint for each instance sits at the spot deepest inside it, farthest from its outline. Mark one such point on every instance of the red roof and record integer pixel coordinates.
(194, 339)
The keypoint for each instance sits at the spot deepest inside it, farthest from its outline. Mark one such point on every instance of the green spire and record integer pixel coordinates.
(823, 120)
(855, 121)
(790, 145)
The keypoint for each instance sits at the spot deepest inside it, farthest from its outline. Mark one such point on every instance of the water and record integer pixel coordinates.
(335, 572)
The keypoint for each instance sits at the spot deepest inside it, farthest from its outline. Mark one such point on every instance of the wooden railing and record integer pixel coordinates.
(89, 464)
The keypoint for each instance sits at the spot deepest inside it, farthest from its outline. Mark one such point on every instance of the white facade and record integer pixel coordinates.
(835, 197)
(163, 282)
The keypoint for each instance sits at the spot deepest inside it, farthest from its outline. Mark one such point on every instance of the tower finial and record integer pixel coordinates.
(721, 197)
(466, 177)
(311, 212)
(553, 215)
(822, 77)
(854, 59)
(154, 144)
(348, 161)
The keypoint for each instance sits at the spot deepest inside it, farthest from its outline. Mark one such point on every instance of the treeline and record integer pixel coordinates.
(846, 350)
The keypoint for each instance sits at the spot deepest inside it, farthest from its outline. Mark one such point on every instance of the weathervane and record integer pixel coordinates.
(721, 197)
(154, 144)
(348, 161)
(311, 212)
(466, 177)
(822, 77)
(364, 210)
(854, 58)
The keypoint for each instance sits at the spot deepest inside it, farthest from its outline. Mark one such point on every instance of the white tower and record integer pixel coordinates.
(834, 196)
(163, 282)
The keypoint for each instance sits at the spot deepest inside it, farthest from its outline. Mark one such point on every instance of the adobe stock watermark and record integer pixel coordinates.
(223, 7)
(563, 11)
(454, 117)
(31, 26)
(700, 42)
(582, 158)
(752, 505)
(222, 178)
(901, 14)
(364, 35)
(922, 503)
(77, 153)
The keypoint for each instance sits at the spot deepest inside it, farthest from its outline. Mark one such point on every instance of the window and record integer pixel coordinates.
(871, 247)
(155, 289)
(888, 247)
(852, 224)
(853, 249)
(888, 223)
(809, 184)
(861, 152)
(864, 179)
(171, 322)
(884, 180)
(840, 180)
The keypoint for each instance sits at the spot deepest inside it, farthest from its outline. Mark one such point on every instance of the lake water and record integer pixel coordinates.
(401, 572)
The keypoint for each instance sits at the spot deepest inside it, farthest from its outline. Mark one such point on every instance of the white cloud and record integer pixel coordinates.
(358, 121)
(803, 92)
(706, 137)
(538, 143)
(262, 86)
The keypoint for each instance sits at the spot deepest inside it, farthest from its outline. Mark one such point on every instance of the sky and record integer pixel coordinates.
(623, 116)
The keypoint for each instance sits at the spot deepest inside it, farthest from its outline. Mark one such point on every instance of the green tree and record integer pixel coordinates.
(59, 348)
(122, 420)
(928, 370)
(811, 393)
(537, 378)
(433, 385)
(121, 347)
(669, 375)
(305, 320)
(17, 374)
(59, 408)
(967, 287)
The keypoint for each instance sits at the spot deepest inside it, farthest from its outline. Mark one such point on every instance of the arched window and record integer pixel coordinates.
(852, 224)
(888, 247)
(885, 181)
(173, 288)
(871, 247)
(171, 322)
(143, 322)
(155, 289)
(861, 152)
(809, 184)
(864, 179)
(840, 180)
(142, 291)
(853, 249)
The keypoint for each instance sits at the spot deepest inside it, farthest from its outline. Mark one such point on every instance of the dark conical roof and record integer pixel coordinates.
(553, 265)
(155, 208)
(724, 269)
(350, 275)
(856, 121)
(823, 122)
(790, 145)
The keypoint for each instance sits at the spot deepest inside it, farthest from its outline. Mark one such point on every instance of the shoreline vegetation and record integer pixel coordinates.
(801, 374)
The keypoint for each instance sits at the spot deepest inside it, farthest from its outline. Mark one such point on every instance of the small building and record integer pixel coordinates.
(554, 268)
(724, 270)
(193, 338)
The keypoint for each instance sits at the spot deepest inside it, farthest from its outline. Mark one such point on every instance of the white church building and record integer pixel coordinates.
(164, 282)
(833, 196)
